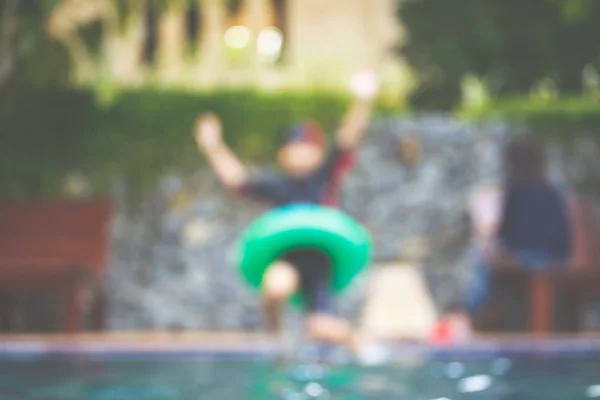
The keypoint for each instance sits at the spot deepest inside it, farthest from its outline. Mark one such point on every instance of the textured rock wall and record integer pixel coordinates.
(172, 258)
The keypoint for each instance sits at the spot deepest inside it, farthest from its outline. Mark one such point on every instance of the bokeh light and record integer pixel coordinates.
(455, 370)
(269, 43)
(237, 37)
(473, 384)
(364, 84)
(593, 391)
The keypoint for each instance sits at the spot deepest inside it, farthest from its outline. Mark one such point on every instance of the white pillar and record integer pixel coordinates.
(211, 55)
(124, 44)
(171, 40)
(256, 19)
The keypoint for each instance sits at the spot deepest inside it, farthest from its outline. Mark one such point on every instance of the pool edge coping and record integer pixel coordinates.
(75, 347)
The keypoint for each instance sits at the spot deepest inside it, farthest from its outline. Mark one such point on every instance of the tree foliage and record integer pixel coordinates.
(22, 33)
(511, 44)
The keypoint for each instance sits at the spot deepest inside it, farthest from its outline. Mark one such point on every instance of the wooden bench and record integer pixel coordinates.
(580, 277)
(57, 247)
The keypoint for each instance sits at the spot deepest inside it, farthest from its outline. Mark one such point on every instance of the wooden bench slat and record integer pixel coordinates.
(69, 251)
(69, 218)
(54, 246)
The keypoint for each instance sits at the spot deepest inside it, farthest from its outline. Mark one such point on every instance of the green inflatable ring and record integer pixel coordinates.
(343, 239)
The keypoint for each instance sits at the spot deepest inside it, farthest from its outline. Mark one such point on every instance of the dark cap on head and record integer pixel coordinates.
(310, 132)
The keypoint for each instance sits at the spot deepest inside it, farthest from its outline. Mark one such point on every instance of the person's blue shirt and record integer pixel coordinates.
(535, 219)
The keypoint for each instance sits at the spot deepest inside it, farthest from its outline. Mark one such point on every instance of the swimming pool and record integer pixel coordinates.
(558, 370)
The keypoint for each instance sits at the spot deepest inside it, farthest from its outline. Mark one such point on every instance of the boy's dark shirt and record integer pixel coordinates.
(322, 187)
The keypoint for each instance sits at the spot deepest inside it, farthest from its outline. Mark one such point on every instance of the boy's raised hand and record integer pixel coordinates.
(224, 163)
(365, 85)
(208, 132)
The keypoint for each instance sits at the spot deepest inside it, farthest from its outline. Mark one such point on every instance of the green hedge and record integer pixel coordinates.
(42, 135)
(559, 119)
(46, 133)
(139, 135)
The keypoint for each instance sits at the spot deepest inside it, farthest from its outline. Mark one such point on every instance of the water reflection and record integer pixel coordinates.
(315, 390)
(500, 366)
(455, 370)
(436, 369)
(473, 384)
(164, 378)
(593, 391)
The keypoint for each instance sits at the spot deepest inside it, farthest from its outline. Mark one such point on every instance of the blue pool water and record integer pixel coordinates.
(221, 377)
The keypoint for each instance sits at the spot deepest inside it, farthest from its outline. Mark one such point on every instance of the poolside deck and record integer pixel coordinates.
(139, 342)
(157, 343)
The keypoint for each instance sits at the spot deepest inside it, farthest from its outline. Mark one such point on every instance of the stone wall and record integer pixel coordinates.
(172, 259)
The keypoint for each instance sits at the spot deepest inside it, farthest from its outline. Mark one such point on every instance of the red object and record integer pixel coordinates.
(56, 247)
(442, 333)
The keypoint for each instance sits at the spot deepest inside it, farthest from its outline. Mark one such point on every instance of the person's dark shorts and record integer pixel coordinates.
(314, 268)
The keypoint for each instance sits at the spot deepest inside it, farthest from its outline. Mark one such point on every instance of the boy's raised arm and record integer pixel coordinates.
(365, 87)
(228, 168)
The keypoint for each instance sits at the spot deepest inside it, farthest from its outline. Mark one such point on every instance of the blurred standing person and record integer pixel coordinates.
(525, 225)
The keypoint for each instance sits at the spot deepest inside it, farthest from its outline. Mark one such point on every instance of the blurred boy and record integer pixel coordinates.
(309, 174)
